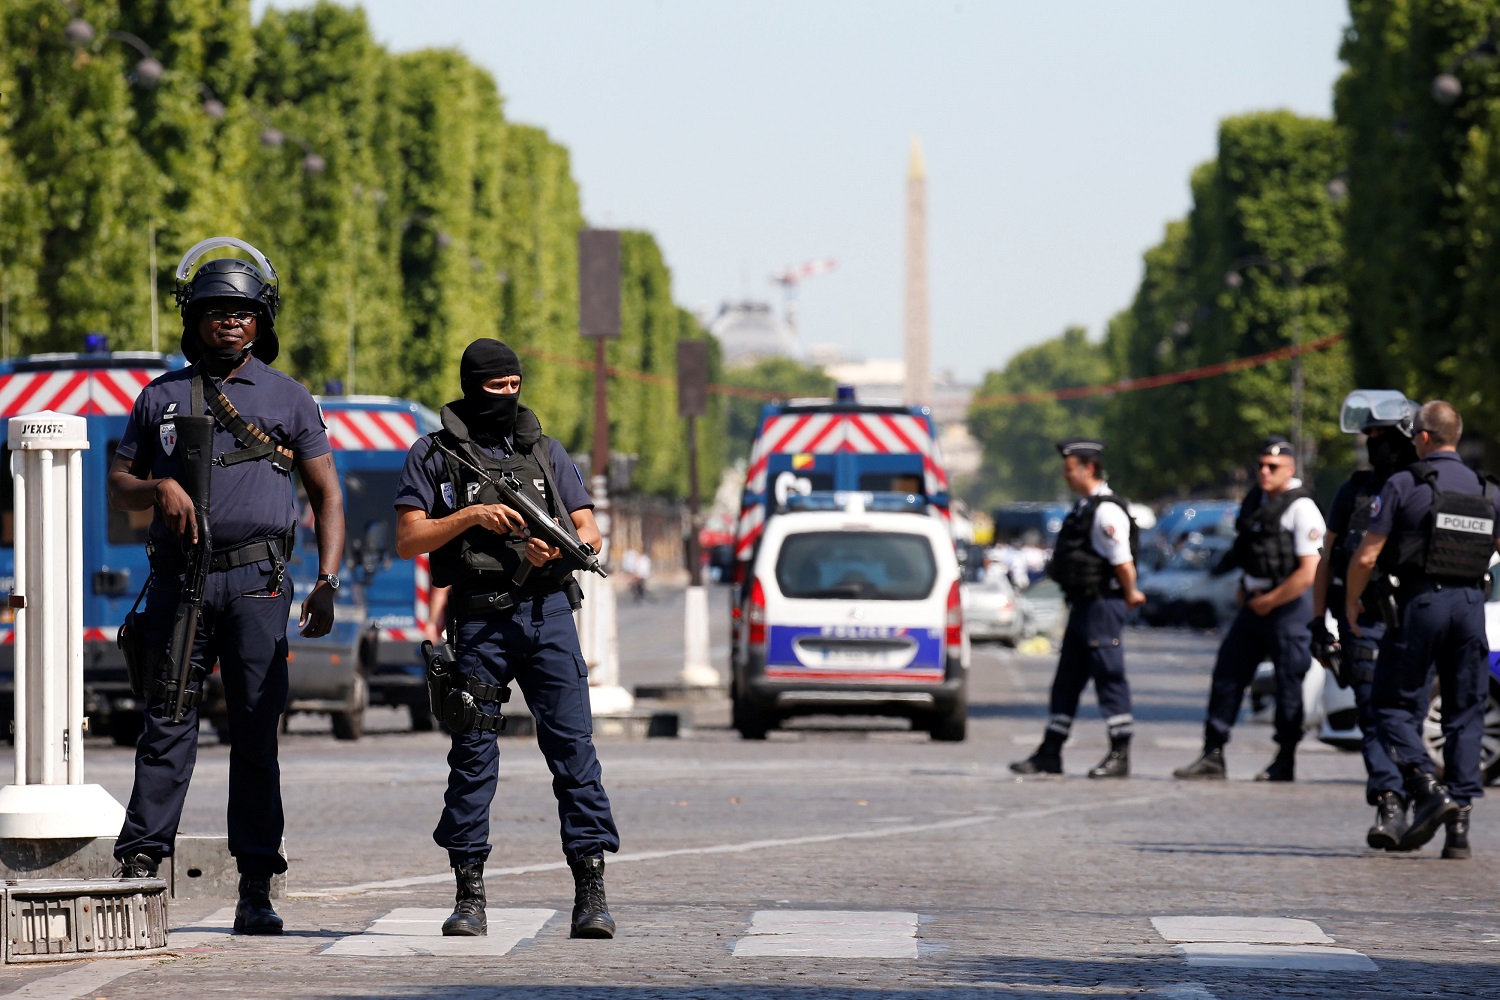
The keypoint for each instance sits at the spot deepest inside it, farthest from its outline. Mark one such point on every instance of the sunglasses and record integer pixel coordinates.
(219, 316)
(1273, 466)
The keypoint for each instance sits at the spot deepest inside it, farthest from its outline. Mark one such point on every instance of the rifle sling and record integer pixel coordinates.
(254, 443)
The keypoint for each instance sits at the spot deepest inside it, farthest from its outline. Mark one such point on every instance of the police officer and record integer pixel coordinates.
(1278, 536)
(1093, 562)
(1387, 430)
(501, 631)
(265, 425)
(1433, 528)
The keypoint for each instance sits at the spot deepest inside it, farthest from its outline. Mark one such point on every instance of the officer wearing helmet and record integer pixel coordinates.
(1433, 530)
(501, 630)
(265, 425)
(1278, 536)
(1385, 418)
(1093, 562)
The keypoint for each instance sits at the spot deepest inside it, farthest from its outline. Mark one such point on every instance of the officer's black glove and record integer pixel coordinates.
(1327, 650)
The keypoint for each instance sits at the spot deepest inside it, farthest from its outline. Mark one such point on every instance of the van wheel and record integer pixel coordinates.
(950, 725)
(1489, 751)
(350, 724)
(125, 728)
(752, 723)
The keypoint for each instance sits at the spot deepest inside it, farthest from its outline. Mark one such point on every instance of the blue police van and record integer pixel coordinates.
(388, 599)
(101, 387)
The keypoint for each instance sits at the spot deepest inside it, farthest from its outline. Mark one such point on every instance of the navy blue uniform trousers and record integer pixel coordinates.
(1442, 625)
(1284, 638)
(1361, 653)
(1091, 649)
(536, 645)
(243, 628)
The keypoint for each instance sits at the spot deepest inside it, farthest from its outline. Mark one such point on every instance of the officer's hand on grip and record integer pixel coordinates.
(539, 553)
(500, 519)
(177, 510)
(316, 619)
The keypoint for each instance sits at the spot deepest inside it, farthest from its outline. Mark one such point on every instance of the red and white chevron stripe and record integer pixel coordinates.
(857, 433)
(8, 635)
(402, 635)
(86, 392)
(422, 572)
(370, 430)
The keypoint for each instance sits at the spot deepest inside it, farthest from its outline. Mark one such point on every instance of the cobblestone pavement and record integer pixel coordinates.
(844, 840)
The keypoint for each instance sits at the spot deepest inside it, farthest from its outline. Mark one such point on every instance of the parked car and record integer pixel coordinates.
(994, 610)
(1195, 518)
(1186, 591)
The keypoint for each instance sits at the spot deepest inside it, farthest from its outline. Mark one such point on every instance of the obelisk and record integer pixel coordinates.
(918, 387)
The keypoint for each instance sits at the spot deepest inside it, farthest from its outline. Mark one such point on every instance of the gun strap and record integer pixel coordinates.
(254, 443)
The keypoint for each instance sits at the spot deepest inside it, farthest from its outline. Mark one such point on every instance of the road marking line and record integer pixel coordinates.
(79, 980)
(1301, 958)
(1186, 991)
(418, 931)
(1257, 930)
(752, 845)
(829, 934)
(212, 929)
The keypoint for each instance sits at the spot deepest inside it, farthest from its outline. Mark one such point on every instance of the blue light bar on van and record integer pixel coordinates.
(844, 500)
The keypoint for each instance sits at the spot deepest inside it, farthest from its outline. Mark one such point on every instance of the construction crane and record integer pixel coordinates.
(790, 278)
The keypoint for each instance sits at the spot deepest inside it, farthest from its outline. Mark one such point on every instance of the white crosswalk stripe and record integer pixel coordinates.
(419, 931)
(830, 934)
(1258, 943)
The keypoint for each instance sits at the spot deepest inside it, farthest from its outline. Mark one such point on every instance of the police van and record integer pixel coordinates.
(388, 598)
(853, 608)
(834, 445)
(101, 387)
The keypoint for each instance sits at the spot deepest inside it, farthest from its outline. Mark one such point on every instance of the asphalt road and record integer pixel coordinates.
(840, 859)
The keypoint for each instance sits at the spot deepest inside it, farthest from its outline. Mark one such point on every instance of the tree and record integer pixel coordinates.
(767, 379)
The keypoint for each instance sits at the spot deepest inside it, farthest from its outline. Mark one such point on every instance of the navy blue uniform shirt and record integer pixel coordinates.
(247, 501)
(1404, 502)
(425, 485)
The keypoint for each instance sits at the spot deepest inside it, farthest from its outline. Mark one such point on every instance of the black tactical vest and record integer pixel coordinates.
(1366, 487)
(480, 561)
(1262, 547)
(1081, 572)
(1458, 536)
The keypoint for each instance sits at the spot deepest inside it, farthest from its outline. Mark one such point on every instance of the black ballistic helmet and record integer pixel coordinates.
(228, 283)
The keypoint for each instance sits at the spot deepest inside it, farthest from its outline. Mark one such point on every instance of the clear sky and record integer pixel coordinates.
(1059, 136)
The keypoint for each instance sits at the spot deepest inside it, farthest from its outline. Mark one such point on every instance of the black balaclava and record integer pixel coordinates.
(491, 415)
(1391, 452)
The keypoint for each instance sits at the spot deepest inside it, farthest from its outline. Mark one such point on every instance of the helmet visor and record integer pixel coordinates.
(1365, 407)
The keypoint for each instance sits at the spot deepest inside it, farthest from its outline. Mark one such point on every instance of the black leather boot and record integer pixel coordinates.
(1390, 823)
(591, 917)
(1116, 763)
(140, 865)
(1046, 760)
(1283, 766)
(1431, 807)
(1456, 844)
(1209, 767)
(253, 914)
(468, 903)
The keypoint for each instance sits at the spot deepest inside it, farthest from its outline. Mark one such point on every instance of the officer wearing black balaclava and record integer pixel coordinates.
(1385, 417)
(501, 631)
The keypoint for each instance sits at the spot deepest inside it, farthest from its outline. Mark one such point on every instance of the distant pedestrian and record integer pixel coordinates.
(1278, 537)
(642, 576)
(1094, 564)
(1434, 528)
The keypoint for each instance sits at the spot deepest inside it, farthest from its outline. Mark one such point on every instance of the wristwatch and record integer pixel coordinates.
(329, 578)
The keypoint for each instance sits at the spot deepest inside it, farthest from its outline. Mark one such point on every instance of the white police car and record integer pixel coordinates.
(853, 611)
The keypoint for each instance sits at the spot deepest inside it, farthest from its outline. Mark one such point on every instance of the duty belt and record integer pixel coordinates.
(274, 549)
(501, 601)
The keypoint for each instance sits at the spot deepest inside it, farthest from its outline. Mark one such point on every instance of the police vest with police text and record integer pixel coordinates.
(1262, 547)
(479, 560)
(1458, 537)
(1081, 572)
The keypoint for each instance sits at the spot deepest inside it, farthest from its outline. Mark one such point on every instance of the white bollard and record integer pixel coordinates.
(697, 667)
(49, 799)
(598, 635)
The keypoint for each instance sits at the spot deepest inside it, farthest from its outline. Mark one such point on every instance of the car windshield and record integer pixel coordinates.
(856, 565)
(1196, 557)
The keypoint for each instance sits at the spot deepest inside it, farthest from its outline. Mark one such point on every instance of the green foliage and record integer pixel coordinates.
(432, 220)
(767, 379)
(1424, 202)
(1020, 458)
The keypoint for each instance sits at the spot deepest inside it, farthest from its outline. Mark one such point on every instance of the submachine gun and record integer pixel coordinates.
(195, 436)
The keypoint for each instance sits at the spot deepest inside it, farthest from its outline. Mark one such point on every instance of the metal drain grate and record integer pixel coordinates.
(52, 919)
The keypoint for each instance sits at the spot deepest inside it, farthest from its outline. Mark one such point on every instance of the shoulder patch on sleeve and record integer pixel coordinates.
(1375, 507)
